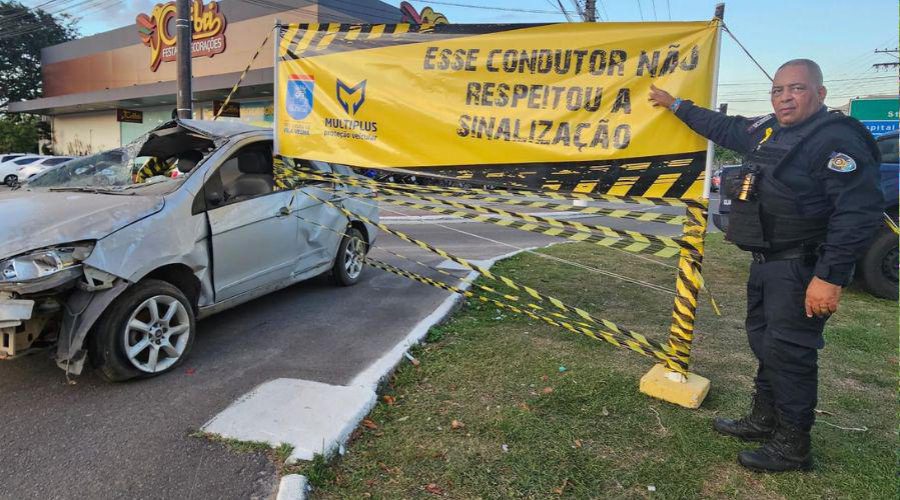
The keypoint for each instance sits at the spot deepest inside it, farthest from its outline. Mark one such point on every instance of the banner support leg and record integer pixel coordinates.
(660, 382)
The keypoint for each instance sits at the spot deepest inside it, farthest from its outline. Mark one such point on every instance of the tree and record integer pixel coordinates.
(20, 134)
(726, 156)
(23, 33)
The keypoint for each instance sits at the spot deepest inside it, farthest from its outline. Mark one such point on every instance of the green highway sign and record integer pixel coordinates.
(878, 115)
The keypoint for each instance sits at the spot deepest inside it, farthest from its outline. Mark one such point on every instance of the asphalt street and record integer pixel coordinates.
(92, 439)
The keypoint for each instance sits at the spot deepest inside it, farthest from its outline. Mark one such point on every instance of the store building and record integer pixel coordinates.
(105, 90)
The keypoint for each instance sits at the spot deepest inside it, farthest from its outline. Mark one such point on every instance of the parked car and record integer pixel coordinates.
(8, 169)
(877, 270)
(31, 165)
(115, 267)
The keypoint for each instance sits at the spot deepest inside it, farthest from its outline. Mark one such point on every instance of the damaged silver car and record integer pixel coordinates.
(112, 258)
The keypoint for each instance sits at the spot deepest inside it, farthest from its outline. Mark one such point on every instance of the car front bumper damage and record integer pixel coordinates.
(58, 310)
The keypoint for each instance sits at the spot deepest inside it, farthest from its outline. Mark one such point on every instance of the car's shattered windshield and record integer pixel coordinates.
(141, 163)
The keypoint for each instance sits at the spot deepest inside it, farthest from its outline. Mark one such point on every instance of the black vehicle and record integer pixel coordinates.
(878, 268)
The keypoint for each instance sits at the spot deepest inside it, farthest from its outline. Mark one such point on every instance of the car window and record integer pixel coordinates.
(889, 150)
(55, 161)
(6, 158)
(26, 161)
(246, 174)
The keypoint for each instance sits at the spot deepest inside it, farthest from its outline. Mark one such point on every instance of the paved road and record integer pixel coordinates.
(98, 440)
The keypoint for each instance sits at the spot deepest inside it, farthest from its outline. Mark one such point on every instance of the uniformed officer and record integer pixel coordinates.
(806, 204)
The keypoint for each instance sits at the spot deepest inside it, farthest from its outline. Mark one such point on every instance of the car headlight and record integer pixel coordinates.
(44, 262)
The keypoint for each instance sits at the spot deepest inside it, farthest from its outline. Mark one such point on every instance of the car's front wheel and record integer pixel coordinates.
(146, 331)
(351, 256)
(11, 180)
(879, 265)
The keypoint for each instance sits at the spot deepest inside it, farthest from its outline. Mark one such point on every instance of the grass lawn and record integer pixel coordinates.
(503, 406)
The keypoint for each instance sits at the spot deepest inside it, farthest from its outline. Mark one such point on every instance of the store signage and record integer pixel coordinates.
(232, 110)
(427, 16)
(157, 31)
(129, 116)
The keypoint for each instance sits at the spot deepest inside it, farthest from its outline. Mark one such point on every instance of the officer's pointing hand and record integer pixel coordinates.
(659, 97)
(822, 298)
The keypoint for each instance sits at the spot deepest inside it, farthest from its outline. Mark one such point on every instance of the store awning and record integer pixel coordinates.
(216, 87)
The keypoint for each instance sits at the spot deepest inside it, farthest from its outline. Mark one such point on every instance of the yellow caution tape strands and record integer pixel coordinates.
(634, 337)
(660, 246)
(579, 328)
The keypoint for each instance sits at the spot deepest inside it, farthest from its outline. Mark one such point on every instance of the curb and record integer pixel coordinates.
(295, 486)
(292, 487)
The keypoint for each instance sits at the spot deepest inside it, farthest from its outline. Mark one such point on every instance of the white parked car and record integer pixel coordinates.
(8, 168)
(31, 165)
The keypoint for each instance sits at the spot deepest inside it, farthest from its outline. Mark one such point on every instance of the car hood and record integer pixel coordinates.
(37, 219)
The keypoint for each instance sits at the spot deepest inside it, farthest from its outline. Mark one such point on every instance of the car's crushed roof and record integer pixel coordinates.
(214, 129)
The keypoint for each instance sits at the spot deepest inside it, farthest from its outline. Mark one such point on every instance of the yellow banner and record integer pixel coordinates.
(489, 96)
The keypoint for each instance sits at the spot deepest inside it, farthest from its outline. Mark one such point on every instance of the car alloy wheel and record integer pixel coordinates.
(354, 255)
(157, 334)
(11, 180)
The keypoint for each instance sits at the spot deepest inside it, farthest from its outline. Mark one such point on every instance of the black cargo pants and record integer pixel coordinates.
(784, 341)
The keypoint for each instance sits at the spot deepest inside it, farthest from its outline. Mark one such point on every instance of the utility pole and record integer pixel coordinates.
(590, 11)
(183, 34)
(887, 65)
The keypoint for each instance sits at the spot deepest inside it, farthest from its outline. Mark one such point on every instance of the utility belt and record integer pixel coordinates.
(808, 253)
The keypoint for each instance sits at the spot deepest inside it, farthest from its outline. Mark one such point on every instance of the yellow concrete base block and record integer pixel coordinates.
(673, 387)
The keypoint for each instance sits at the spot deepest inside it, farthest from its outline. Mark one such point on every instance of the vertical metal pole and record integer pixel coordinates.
(183, 35)
(275, 85)
(710, 151)
(690, 281)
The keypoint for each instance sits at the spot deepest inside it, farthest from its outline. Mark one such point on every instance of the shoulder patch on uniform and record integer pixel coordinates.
(760, 122)
(839, 162)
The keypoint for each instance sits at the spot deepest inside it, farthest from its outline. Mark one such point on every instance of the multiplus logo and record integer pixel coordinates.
(351, 98)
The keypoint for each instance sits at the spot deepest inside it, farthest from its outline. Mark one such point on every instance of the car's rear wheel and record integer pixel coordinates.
(348, 264)
(146, 331)
(879, 266)
(11, 180)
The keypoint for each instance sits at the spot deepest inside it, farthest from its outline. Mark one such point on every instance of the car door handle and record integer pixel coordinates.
(283, 212)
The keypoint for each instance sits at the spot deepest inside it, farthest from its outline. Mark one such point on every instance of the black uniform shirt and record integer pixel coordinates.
(819, 172)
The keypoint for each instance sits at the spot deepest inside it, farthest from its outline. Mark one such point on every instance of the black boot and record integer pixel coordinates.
(759, 425)
(788, 450)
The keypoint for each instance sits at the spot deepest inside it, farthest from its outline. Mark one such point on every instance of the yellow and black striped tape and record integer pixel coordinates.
(241, 78)
(627, 244)
(660, 246)
(562, 196)
(637, 338)
(580, 328)
(298, 40)
(562, 205)
(688, 285)
(153, 167)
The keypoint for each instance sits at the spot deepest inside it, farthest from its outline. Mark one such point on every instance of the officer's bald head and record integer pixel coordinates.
(815, 72)
(797, 91)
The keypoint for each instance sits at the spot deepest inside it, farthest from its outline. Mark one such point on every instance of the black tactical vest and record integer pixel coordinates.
(773, 219)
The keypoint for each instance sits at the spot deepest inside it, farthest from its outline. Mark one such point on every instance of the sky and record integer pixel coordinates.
(840, 35)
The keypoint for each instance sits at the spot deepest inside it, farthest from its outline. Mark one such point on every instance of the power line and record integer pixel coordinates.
(603, 7)
(568, 17)
(653, 4)
(485, 7)
(823, 81)
(669, 10)
(640, 9)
